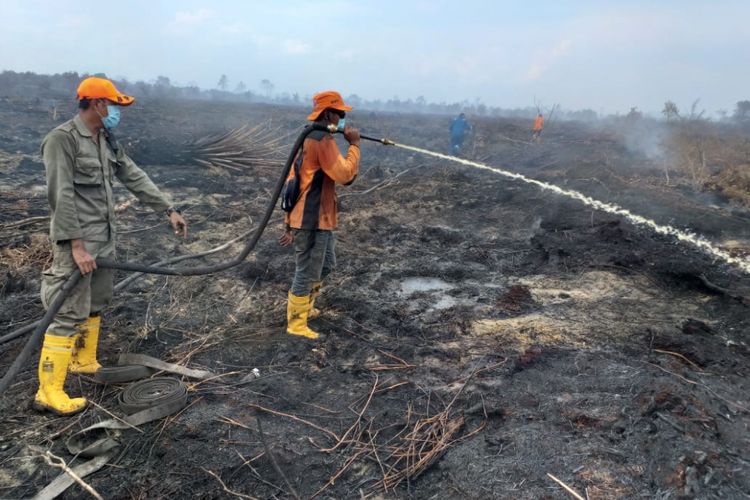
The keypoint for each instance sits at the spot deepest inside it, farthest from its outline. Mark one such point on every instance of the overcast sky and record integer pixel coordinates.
(603, 55)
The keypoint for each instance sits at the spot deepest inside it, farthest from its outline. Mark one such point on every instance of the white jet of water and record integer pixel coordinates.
(693, 239)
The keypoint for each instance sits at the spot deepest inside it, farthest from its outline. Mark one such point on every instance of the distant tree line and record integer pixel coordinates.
(61, 86)
(672, 113)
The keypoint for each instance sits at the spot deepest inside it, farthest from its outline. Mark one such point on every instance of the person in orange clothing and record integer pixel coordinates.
(312, 218)
(536, 134)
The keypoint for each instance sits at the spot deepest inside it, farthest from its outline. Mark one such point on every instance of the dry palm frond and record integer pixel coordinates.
(240, 149)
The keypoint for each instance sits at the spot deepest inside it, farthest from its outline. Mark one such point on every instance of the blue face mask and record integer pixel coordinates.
(113, 117)
(341, 125)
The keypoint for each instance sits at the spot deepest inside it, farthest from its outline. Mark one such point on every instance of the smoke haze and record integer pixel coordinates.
(607, 56)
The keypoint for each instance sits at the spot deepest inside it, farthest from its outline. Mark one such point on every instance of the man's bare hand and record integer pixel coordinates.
(351, 135)
(286, 239)
(84, 260)
(178, 224)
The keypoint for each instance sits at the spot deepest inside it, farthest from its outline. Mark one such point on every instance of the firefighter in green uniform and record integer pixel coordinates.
(81, 159)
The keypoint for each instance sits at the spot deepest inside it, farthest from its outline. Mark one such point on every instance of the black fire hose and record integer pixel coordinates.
(73, 279)
(33, 341)
(17, 333)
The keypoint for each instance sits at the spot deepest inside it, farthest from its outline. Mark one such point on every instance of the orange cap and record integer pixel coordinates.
(101, 88)
(325, 100)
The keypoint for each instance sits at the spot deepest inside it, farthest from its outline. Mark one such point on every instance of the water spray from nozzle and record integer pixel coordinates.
(684, 236)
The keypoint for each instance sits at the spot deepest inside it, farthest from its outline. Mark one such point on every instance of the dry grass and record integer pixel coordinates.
(14, 202)
(606, 481)
(711, 157)
(692, 148)
(734, 183)
(9, 161)
(36, 254)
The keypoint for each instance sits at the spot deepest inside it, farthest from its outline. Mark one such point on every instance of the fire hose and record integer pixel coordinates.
(142, 402)
(40, 327)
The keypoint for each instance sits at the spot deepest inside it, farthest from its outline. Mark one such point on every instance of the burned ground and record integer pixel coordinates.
(532, 334)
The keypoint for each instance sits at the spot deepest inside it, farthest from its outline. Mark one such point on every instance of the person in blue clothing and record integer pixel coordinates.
(458, 128)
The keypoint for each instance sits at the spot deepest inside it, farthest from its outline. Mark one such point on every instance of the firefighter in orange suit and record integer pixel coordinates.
(311, 223)
(536, 133)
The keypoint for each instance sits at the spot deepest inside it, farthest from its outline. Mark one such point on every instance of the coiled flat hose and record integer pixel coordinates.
(73, 279)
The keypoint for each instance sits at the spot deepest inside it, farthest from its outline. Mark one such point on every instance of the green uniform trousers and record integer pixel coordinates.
(315, 258)
(92, 294)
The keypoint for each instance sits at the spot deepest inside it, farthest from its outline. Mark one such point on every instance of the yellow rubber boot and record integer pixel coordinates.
(53, 367)
(314, 293)
(297, 310)
(86, 343)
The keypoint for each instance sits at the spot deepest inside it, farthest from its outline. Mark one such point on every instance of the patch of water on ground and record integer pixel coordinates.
(436, 287)
(410, 286)
(445, 302)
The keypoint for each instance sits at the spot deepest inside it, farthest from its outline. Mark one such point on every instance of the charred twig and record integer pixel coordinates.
(393, 356)
(226, 489)
(724, 291)
(402, 365)
(455, 397)
(411, 451)
(64, 429)
(231, 421)
(674, 425)
(256, 473)
(167, 421)
(566, 487)
(295, 418)
(423, 443)
(275, 464)
(435, 434)
(480, 370)
(398, 384)
(375, 452)
(24, 222)
(58, 462)
(471, 434)
(356, 422)
(682, 357)
(383, 367)
(338, 474)
(691, 382)
(701, 384)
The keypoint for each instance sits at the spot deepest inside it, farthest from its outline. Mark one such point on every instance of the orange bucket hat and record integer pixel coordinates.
(325, 100)
(101, 88)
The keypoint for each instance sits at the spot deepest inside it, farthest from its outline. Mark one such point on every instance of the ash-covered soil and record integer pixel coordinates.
(502, 332)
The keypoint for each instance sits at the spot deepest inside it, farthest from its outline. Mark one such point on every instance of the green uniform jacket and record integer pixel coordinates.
(79, 183)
